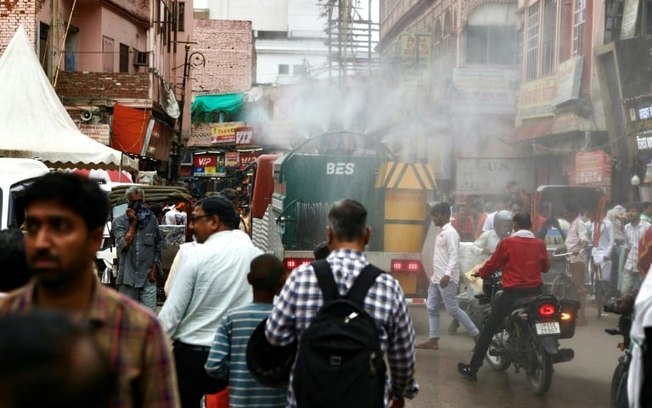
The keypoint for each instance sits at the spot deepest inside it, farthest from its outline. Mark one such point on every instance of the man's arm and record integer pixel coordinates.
(280, 328)
(219, 357)
(177, 302)
(158, 381)
(545, 260)
(124, 233)
(400, 350)
(495, 262)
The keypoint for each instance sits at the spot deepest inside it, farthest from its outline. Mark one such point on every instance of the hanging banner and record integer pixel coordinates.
(231, 160)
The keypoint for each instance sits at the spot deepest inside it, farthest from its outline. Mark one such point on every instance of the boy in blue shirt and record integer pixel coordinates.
(228, 354)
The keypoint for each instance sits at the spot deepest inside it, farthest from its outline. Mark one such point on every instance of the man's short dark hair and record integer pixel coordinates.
(646, 204)
(348, 220)
(14, 271)
(634, 206)
(523, 221)
(442, 208)
(223, 208)
(80, 194)
(266, 272)
(321, 251)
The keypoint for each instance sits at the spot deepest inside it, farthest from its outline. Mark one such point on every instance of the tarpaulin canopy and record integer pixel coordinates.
(34, 123)
(205, 107)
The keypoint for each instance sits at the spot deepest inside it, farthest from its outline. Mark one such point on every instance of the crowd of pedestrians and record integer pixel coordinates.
(113, 346)
(116, 348)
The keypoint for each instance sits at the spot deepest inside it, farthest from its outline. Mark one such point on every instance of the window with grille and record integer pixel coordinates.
(548, 37)
(579, 17)
(493, 45)
(532, 42)
(283, 69)
(613, 19)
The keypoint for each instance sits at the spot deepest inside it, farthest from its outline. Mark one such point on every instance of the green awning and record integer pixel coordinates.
(205, 108)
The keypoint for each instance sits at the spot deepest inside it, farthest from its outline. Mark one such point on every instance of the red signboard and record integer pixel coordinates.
(593, 169)
(244, 135)
(231, 159)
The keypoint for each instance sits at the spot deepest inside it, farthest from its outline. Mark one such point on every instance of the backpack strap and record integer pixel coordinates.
(363, 283)
(326, 280)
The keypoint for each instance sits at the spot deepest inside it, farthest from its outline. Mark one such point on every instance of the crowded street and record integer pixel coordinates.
(325, 203)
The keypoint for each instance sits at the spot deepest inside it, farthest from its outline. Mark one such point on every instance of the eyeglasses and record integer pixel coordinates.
(194, 217)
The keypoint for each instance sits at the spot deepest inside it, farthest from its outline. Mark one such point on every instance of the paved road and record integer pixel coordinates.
(581, 383)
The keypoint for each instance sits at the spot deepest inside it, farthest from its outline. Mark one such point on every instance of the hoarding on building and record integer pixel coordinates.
(208, 165)
(491, 176)
(99, 133)
(536, 99)
(231, 160)
(484, 90)
(569, 79)
(222, 133)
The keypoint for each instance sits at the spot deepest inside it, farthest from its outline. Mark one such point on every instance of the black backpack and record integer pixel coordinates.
(340, 363)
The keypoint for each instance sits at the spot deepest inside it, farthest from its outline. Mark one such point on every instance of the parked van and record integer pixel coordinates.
(15, 175)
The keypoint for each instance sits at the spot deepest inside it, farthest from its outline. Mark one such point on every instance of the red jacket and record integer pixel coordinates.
(522, 260)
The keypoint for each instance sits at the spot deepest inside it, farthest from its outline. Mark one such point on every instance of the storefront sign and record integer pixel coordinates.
(569, 79)
(593, 168)
(208, 165)
(99, 133)
(224, 132)
(231, 160)
(415, 55)
(491, 176)
(246, 158)
(244, 136)
(536, 98)
(484, 90)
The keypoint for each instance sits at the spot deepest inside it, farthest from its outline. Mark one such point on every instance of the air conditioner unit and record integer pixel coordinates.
(86, 116)
(141, 58)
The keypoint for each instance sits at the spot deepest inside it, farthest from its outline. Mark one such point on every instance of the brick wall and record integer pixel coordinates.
(228, 48)
(103, 85)
(14, 13)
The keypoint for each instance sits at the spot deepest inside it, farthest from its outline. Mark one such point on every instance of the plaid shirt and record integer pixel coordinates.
(132, 339)
(301, 299)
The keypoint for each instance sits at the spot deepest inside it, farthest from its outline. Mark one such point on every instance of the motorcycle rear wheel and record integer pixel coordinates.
(497, 363)
(539, 377)
(619, 386)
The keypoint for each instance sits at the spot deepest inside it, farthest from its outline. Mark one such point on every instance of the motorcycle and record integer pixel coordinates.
(623, 306)
(530, 336)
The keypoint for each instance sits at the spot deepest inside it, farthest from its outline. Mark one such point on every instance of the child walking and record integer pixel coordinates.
(228, 354)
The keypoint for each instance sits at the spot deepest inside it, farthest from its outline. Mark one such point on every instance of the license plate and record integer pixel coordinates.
(547, 328)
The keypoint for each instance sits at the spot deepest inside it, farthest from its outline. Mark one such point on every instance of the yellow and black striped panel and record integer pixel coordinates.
(412, 176)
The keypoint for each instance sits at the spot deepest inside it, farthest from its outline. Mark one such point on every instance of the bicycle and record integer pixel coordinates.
(562, 286)
(597, 287)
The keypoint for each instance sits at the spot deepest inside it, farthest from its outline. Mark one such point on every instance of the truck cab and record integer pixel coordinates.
(15, 175)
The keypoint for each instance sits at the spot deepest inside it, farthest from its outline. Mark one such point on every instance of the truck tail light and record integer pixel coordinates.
(291, 263)
(406, 265)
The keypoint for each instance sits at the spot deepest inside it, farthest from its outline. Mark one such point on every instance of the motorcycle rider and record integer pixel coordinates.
(523, 258)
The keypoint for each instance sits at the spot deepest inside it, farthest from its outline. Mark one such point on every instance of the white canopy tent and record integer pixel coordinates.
(34, 123)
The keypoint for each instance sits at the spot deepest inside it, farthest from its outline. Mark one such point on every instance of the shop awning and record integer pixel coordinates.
(533, 129)
(205, 107)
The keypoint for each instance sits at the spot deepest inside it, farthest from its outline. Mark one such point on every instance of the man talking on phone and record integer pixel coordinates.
(139, 241)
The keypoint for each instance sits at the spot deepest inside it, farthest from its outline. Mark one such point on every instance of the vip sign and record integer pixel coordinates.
(244, 135)
(208, 165)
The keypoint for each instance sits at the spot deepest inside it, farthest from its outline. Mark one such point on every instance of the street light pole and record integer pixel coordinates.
(190, 59)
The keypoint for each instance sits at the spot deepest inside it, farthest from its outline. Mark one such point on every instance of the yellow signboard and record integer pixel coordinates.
(224, 132)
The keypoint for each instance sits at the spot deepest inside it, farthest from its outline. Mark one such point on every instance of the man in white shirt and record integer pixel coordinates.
(211, 280)
(639, 378)
(602, 252)
(634, 231)
(445, 278)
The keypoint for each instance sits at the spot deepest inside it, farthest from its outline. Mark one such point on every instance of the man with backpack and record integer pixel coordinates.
(346, 315)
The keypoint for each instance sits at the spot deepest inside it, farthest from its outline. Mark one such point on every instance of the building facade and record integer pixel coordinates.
(456, 63)
(289, 36)
(117, 65)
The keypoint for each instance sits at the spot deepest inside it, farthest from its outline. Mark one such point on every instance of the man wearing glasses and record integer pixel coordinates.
(139, 246)
(211, 280)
